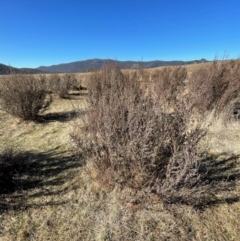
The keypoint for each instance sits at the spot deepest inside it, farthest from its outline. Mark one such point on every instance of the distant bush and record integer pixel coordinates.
(57, 86)
(132, 141)
(61, 84)
(215, 86)
(70, 80)
(24, 96)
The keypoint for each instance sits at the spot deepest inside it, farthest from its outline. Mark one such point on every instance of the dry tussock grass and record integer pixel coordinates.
(74, 202)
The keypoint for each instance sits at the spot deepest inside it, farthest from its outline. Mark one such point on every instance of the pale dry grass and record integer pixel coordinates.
(52, 128)
(193, 67)
(90, 213)
(70, 203)
(224, 138)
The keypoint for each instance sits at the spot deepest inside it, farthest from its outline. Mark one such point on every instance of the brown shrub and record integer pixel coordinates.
(132, 141)
(24, 96)
(215, 86)
(105, 82)
(61, 84)
(57, 86)
(168, 85)
(70, 80)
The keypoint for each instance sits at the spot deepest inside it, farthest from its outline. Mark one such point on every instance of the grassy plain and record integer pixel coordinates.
(56, 200)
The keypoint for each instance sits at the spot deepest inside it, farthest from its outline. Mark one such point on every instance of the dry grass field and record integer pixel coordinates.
(55, 198)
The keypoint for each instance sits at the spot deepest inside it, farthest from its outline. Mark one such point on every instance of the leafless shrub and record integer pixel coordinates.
(70, 80)
(57, 86)
(61, 85)
(132, 141)
(168, 85)
(105, 82)
(73, 83)
(24, 96)
(215, 86)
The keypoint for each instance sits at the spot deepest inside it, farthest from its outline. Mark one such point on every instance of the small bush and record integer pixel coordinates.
(132, 141)
(70, 80)
(24, 96)
(57, 86)
(61, 84)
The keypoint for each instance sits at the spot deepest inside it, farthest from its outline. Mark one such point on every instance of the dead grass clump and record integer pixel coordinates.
(24, 96)
(215, 86)
(133, 141)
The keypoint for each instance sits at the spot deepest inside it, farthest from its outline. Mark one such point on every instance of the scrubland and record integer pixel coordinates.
(121, 154)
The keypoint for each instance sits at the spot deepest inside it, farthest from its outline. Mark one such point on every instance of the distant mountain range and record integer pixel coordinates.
(91, 64)
(94, 64)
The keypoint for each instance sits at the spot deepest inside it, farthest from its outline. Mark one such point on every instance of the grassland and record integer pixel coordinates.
(55, 199)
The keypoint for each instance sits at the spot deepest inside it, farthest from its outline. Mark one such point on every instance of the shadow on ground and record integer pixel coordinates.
(27, 174)
(59, 116)
(218, 182)
(78, 94)
(222, 174)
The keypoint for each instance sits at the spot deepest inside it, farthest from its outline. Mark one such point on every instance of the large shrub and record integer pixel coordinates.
(130, 140)
(23, 96)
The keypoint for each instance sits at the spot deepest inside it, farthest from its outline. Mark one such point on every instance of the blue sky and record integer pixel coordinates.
(47, 32)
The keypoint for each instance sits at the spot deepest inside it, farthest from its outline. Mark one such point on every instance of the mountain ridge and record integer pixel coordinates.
(94, 64)
(90, 64)
(5, 69)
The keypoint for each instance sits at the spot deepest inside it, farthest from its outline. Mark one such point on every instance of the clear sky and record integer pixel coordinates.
(47, 32)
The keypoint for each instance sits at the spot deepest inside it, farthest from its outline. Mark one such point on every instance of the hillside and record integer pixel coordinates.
(4, 69)
(86, 65)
